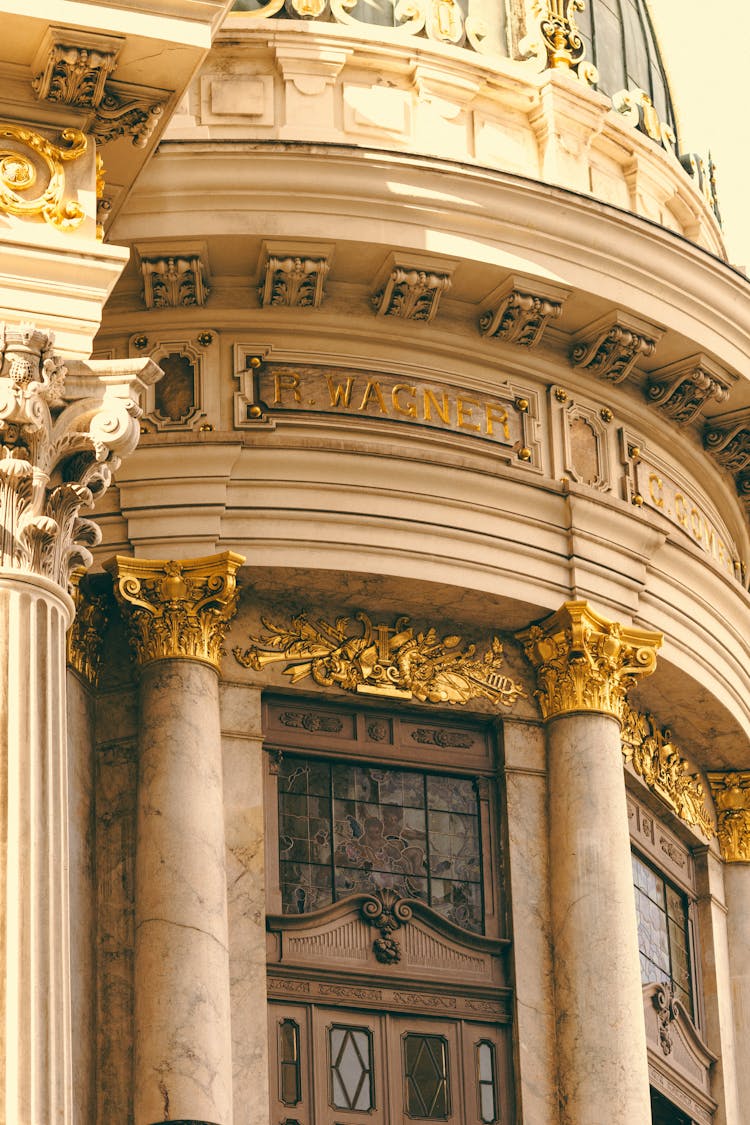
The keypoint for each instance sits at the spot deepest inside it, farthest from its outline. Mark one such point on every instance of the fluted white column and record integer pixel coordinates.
(584, 666)
(179, 613)
(60, 438)
(35, 934)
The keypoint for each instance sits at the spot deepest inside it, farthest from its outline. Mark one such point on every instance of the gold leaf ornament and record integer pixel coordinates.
(393, 661)
(19, 173)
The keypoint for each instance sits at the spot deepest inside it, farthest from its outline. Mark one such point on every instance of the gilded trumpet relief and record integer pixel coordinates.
(396, 661)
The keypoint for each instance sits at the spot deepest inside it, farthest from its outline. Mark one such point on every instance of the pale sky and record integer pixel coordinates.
(705, 50)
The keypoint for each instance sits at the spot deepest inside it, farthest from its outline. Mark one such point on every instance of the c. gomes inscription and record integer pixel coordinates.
(660, 492)
(497, 418)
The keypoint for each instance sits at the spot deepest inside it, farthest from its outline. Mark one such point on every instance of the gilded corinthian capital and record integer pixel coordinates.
(177, 610)
(731, 792)
(584, 662)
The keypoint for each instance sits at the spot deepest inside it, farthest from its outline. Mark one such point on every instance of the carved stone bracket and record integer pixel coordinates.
(656, 759)
(410, 290)
(177, 610)
(18, 174)
(610, 347)
(63, 430)
(293, 280)
(394, 662)
(174, 281)
(71, 67)
(731, 793)
(387, 912)
(682, 389)
(584, 662)
(85, 640)
(668, 1010)
(519, 314)
(128, 111)
(728, 441)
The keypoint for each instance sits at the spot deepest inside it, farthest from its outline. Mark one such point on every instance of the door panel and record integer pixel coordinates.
(332, 1066)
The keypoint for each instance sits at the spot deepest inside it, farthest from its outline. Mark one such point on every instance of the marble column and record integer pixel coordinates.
(178, 613)
(585, 665)
(731, 792)
(61, 434)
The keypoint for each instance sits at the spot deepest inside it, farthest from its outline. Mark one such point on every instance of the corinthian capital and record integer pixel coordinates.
(731, 792)
(584, 662)
(177, 610)
(63, 431)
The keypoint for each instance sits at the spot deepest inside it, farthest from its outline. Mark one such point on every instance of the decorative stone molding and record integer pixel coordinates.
(71, 424)
(682, 389)
(731, 793)
(610, 347)
(584, 662)
(728, 441)
(585, 447)
(18, 173)
(655, 758)
(72, 67)
(181, 398)
(128, 111)
(518, 314)
(85, 640)
(177, 610)
(293, 280)
(388, 661)
(174, 281)
(387, 912)
(411, 293)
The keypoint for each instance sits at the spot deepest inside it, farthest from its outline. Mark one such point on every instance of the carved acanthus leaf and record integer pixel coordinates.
(682, 389)
(611, 346)
(412, 294)
(731, 793)
(128, 111)
(174, 281)
(293, 281)
(728, 441)
(178, 610)
(584, 662)
(520, 317)
(656, 759)
(382, 660)
(62, 432)
(73, 66)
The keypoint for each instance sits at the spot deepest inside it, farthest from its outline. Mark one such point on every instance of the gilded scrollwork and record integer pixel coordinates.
(584, 662)
(656, 759)
(397, 661)
(19, 173)
(731, 793)
(557, 43)
(177, 610)
(85, 640)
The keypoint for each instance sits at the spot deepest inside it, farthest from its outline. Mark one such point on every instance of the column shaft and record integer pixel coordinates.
(35, 936)
(601, 1030)
(737, 886)
(183, 1045)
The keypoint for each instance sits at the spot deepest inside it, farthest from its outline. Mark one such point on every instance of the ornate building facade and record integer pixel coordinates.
(374, 428)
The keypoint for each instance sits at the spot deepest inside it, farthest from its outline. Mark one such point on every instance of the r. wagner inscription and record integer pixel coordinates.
(498, 418)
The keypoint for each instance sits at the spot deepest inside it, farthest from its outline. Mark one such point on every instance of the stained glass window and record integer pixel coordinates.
(426, 1077)
(662, 932)
(356, 829)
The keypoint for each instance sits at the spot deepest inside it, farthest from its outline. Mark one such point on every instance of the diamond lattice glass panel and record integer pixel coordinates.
(350, 1050)
(426, 1077)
